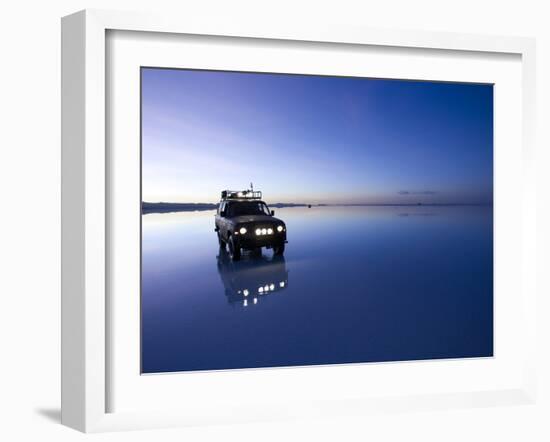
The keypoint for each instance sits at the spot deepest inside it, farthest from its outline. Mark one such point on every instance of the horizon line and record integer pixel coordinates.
(471, 203)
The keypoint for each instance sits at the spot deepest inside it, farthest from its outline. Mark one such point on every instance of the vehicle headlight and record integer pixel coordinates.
(258, 231)
(270, 231)
(279, 228)
(264, 231)
(242, 230)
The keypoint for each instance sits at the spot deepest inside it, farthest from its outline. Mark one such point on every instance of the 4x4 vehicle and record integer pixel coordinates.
(244, 222)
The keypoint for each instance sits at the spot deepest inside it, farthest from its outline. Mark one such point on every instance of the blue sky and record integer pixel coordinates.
(314, 139)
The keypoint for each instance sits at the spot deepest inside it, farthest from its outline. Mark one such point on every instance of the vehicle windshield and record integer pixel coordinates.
(247, 208)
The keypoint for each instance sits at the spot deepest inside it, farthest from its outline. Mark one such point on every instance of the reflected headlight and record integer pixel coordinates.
(279, 228)
(242, 230)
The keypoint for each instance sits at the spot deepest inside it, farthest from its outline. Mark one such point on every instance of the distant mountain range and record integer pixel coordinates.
(175, 207)
(163, 207)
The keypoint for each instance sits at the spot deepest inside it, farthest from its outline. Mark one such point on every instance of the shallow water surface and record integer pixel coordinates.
(356, 284)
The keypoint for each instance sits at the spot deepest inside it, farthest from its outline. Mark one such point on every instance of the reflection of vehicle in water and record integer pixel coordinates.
(253, 278)
(243, 221)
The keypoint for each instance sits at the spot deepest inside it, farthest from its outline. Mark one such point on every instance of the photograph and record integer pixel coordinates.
(292, 220)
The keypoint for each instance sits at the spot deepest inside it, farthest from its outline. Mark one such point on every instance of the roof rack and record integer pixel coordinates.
(241, 195)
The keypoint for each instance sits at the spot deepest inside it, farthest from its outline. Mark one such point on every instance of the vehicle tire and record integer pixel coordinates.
(234, 251)
(278, 250)
(221, 242)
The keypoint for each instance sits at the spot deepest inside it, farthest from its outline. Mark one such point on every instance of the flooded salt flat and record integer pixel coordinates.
(356, 284)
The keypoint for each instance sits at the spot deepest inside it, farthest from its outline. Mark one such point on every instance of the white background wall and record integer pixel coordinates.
(30, 221)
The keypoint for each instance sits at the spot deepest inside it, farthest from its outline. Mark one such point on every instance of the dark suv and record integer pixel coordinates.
(244, 222)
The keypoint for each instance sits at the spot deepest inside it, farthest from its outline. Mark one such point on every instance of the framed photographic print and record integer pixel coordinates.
(268, 223)
(383, 193)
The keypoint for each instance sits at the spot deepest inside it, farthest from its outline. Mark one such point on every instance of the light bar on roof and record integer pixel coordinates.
(241, 194)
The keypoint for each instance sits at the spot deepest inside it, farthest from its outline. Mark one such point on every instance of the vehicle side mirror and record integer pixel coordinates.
(222, 213)
(272, 212)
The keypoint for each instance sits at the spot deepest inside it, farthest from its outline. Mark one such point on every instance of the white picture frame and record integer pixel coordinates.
(85, 213)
